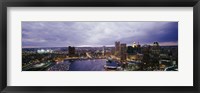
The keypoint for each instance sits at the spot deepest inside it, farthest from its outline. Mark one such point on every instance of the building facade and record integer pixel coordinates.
(123, 52)
(71, 51)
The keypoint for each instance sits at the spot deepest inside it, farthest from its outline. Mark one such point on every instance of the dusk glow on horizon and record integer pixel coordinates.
(97, 34)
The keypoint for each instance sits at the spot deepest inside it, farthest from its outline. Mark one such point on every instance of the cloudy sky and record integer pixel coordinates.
(80, 34)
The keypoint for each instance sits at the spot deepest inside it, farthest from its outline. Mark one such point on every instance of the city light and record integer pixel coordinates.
(99, 46)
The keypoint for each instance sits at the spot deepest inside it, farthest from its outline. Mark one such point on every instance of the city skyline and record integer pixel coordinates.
(97, 34)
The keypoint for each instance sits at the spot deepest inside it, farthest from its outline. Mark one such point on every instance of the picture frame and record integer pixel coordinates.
(103, 3)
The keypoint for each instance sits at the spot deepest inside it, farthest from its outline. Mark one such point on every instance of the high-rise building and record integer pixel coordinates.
(155, 54)
(134, 45)
(138, 45)
(139, 48)
(134, 49)
(155, 48)
(104, 50)
(71, 51)
(123, 52)
(117, 48)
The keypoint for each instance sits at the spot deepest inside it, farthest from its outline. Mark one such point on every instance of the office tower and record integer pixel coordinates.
(71, 51)
(117, 48)
(104, 50)
(155, 49)
(123, 52)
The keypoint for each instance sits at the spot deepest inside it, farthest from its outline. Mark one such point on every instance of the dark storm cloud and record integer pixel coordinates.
(51, 34)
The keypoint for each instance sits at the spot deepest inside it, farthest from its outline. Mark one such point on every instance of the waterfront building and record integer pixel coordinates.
(155, 49)
(71, 51)
(132, 50)
(138, 48)
(117, 48)
(104, 51)
(123, 52)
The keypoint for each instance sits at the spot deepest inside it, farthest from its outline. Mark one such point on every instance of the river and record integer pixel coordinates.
(88, 65)
(79, 65)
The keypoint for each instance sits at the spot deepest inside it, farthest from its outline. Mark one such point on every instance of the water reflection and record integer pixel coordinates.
(88, 65)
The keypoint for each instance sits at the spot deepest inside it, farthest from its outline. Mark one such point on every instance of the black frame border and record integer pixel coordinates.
(99, 3)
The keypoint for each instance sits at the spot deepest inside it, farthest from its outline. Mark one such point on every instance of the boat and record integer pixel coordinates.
(110, 65)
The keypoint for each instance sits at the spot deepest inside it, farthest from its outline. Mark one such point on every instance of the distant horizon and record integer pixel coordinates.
(88, 46)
